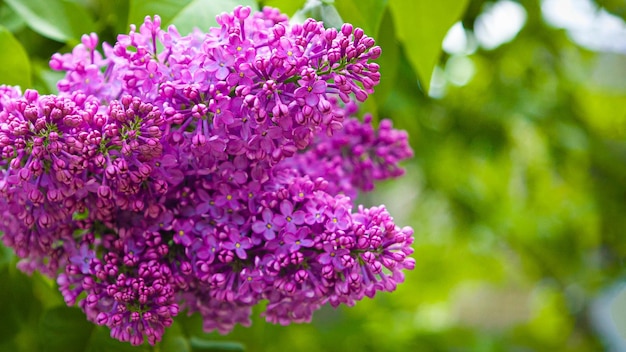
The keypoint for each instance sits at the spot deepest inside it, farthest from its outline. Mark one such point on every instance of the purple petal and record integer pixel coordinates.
(241, 253)
(319, 87)
(259, 227)
(269, 234)
(312, 99)
(286, 208)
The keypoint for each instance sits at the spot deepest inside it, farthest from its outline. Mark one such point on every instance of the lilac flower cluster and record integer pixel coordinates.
(204, 173)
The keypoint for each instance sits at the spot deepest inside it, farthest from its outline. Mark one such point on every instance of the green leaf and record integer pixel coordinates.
(201, 13)
(366, 14)
(60, 20)
(6, 254)
(320, 10)
(115, 13)
(64, 329)
(175, 340)
(330, 16)
(176, 343)
(14, 63)
(167, 9)
(185, 15)
(10, 20)
(200, 345)
(44, 288)
(101, 341)
(45, 79)
(389, 59)
(9, 324)
(616, 7)
(288, 7)
(421, 26)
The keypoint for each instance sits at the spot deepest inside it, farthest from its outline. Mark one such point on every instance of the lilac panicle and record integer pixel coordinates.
(204, 172)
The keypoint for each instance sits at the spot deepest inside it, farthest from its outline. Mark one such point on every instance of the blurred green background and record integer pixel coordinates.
(516, 111)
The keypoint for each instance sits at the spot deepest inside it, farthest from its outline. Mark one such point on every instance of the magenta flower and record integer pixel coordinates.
(301, 238)
(310, 91)
(290, 219)
(183, 232)
(219, 63)
(209, 171)
(268, 225)
(333, 256)
(339, 219)
(238, 243)
(83, 258)
(204, 248)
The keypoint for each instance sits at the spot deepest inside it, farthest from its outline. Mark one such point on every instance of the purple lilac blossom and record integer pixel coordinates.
(204, 173)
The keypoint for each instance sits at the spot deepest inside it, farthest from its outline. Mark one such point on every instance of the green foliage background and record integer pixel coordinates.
(516, 192)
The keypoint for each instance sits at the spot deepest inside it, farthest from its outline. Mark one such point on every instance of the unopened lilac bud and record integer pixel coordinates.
(31, 95)
(346, 29)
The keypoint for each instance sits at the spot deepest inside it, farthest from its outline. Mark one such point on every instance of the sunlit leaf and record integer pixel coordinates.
(366, 14)
(201, 13)
(288, 7)
(166, 9)
(421, 26)
(320, 10)
(60, 20)
(185, 15)
(389, 60)
(14, 63)
(10, 19)
(44, 79)
(330, 16)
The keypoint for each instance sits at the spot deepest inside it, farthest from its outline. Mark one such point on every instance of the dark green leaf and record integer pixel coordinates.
(176, 343)
(14, 63)
(366, 14)
(64, 329)
(115, 13)
(190, 324)
(101, 341)
(46, 291)
(20, 311)
(175, 340)
(421, 26)
(6, 254)
(60, 20)
(9, 324)
(200, 345)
